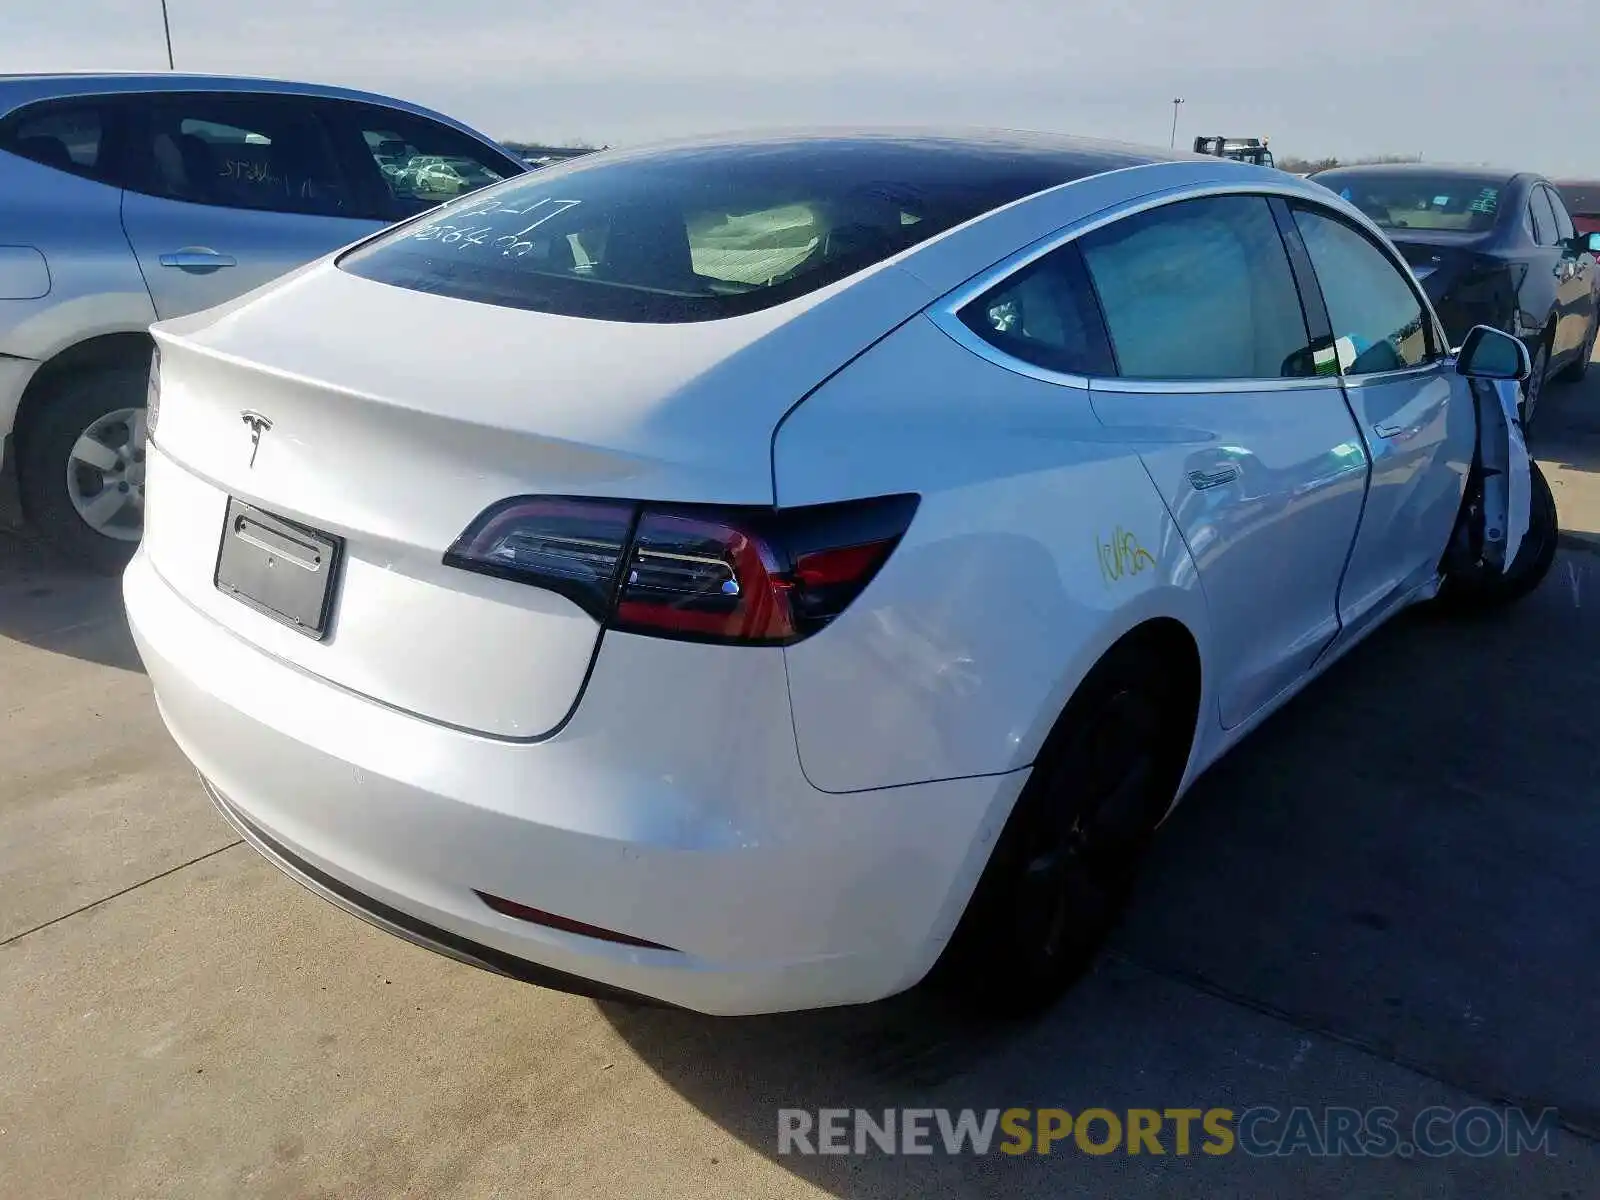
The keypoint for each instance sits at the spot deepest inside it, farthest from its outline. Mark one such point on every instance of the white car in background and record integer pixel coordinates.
(746, 574)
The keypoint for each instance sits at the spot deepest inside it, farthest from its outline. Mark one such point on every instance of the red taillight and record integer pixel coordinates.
(704, 577)
(747, 575)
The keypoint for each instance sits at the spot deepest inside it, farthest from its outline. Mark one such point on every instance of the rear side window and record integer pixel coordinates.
(1200, 289)
(1564, 230)
(1544, 220)
(1378, 322)
(1045, 314)
(70, 137)
(241, 151)
(692, 234)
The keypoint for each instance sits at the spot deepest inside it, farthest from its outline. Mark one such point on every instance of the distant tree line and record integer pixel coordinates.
(1307, 166)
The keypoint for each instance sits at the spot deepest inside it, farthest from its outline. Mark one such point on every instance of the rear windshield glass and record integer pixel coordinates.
(1444, 203)
(695, 234)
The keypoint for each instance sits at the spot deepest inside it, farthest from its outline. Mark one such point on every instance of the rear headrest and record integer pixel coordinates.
(199, 165)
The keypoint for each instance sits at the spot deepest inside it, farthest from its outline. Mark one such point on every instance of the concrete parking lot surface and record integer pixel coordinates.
(1388, 897)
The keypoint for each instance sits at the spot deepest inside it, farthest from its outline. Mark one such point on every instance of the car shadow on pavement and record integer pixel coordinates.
(1387, 896)
(62, 608)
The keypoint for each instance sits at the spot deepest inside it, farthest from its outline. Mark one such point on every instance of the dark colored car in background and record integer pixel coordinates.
(1490, 248)
(1582, 198)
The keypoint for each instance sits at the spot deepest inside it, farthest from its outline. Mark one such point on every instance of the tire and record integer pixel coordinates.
(1578, 369)
(1534, 557)
(75, 406)
(1064, 866)
(1533, 389)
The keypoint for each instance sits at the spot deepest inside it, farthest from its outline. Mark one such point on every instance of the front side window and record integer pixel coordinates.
(1045, 314)
(69, 137)
(1379, 324)
(1200, 289)
(1564, 230)
(1544, 220)
(256, 152)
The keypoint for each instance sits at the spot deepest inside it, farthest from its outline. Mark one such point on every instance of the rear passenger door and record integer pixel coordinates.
(230, 190)
(1415, 413)
(1234, 403)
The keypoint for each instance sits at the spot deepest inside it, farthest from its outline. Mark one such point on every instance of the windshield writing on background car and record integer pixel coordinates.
(1440, 203)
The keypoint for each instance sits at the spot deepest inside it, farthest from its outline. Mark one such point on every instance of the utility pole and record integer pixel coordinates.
(166, 27)
(1176, 101)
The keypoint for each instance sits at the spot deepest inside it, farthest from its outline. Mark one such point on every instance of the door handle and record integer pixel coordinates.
(1204, 480)
(198, 258)
(1388, 429)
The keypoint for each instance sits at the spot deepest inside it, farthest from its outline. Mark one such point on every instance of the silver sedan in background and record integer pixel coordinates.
(126, 199)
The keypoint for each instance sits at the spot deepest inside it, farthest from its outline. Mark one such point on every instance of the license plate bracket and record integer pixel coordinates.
(278, 567)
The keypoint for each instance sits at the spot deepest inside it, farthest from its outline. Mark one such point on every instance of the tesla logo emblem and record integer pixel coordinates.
(258, 425)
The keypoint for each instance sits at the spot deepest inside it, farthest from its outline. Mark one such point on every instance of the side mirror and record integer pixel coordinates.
(1490, 353)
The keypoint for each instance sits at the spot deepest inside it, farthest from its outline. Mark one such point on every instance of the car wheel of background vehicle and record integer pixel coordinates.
(1064, 866)
(1575, 371)
(82, 466)
(1533, 389)
(1534, 557)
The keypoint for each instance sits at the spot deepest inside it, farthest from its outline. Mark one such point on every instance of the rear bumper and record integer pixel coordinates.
(403, 925)
(686, 823)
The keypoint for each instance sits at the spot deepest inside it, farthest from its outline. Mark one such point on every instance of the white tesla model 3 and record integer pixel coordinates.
(750, 573)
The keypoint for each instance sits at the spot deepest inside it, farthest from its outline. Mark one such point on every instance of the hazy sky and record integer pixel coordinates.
(1456, 80)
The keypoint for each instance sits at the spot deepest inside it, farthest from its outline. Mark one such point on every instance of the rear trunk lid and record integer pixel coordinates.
(1467, 283)
(391, 418)
(1440, 255)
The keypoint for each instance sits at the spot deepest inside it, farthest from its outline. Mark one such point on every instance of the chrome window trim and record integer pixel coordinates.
(1296, 383)
(1375, 378)
(945, 312)
(958, 331)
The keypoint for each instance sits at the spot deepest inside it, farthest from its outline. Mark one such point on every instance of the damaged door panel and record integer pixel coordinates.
(1494, 515)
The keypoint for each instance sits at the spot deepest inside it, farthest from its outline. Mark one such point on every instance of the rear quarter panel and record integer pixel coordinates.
(1039, 541)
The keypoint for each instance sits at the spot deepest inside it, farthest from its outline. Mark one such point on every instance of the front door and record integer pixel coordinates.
(1415, 414)
(1574, 274)
(231, 190)
(1252, 448)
